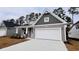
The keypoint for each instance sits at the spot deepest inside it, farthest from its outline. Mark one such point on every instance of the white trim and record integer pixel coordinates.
(58, 18)
(46, 19)
(52, 15)
(26, 30)
(65, 33)
(56, 32)
(16, 30)
(51, 24)
(38, 19)
(23, 26)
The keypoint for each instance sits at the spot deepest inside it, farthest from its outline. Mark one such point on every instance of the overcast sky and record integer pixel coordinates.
(16, 12)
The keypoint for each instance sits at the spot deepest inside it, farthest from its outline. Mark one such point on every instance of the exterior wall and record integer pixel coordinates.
(3, 31)
(52, 20)
(74, 33)
(12, 31)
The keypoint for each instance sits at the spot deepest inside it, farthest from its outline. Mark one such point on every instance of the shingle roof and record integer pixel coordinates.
(10, 24)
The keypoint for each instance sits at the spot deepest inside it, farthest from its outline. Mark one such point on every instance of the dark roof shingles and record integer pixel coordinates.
(10, 24)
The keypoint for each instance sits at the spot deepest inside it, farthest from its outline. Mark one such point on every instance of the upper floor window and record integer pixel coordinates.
(46, 19)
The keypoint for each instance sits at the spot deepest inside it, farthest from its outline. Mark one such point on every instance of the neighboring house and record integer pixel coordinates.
(12, 29)
(3, 30)
(74, 32)
(49, 26)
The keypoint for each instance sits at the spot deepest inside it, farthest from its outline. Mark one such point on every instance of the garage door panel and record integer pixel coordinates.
(48, 33)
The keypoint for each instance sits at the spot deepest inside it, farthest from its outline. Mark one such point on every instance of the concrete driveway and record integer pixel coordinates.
(37, 45)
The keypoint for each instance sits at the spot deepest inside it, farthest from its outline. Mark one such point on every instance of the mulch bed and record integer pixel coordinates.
(73, 45)
(8, 41)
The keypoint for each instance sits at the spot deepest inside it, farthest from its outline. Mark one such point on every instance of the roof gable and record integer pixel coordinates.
(50, 19)
(53, 19)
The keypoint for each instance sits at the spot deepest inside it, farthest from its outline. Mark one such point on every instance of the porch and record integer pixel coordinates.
(23, 32)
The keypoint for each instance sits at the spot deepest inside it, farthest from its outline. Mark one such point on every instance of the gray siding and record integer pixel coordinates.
(11, 31)
(52, 19)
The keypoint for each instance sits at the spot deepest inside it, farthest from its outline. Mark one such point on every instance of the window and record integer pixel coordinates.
(46, 19)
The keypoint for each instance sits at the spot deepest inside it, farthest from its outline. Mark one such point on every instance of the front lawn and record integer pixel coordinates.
(8, 41)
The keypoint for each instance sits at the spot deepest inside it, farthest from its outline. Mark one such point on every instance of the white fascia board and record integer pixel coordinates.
(58, 18)
(51, 24)
(24, 26)
(37, 19)
(21, 27)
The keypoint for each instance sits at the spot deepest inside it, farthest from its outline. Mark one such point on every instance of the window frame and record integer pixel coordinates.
(46, 19)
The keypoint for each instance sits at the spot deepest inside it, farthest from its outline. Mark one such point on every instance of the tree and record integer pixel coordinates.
(39, 14)
(31, 16)
(12, 20)
(68, 19)
(59, 11)
(17, 22)
(27, 19)
(73, 11)
(55, 11)
(21, 20)
(36, 15)
(22, 17)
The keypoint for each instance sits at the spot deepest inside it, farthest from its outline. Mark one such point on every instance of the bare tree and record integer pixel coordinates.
(21, 19)
(12, 20)
(73, 11)
(59, 11)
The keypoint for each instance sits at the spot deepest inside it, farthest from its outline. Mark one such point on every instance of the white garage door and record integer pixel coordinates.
(48, 33)
(3, 31)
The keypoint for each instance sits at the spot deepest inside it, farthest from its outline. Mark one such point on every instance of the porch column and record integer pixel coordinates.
(65, 33)
(26, 30)
(16, 30)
